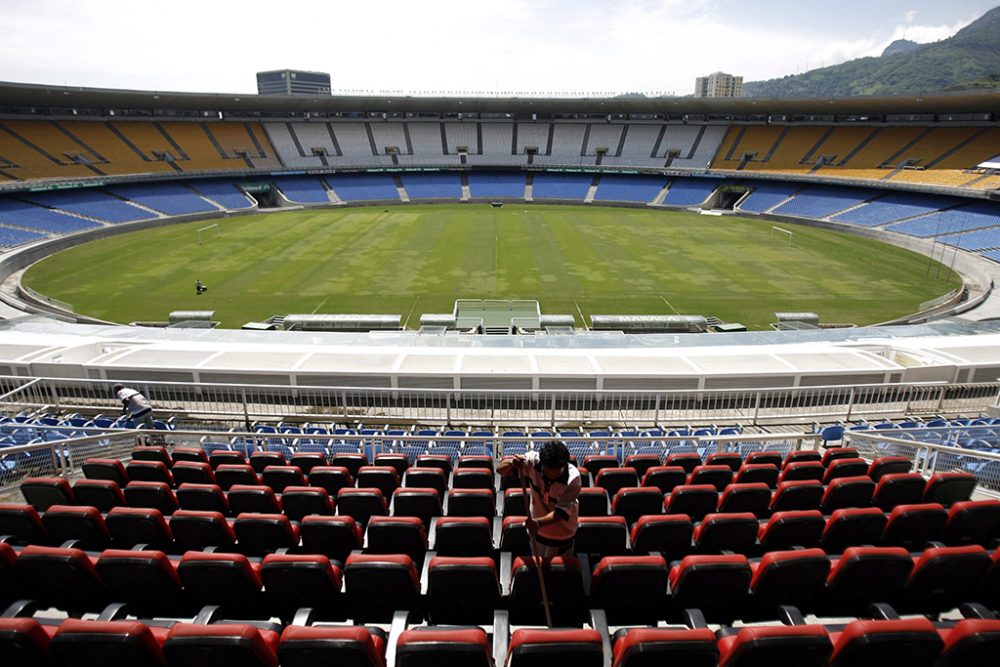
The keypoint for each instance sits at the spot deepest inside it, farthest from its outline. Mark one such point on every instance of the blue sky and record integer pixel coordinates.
(453, 46)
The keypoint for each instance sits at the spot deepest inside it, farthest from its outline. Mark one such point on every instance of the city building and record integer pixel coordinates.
(718, 84)
(293, 82)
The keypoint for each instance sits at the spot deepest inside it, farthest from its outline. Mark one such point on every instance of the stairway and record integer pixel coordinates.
(498, 331)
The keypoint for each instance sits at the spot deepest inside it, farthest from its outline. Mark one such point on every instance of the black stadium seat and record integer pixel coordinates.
(637, 501)
(665, 478)
(796, 528)
(110, 643)
(254, 499)
(22, 523)
(281, 477)
(802, 646)
(789, 578)
(229, 580)
(63, 578)
(753, 473)
(149, 471)
(154, 454)
(754, 498)
(107, 469)
(312, 646)
(726, 532)
(797, 495)
(669, 534)
(862, 575)
(397, 535)
(230, 474)
(444, 647)
(331, 478)
(43, 492)
(462, 590)
(564, 582)
(972, 522)
(614, 479)
(631, 589)
(543, 648)
(905, 488)
(197, 530)
(383, 478)
(911, 642)
(949, 488)
(912, 526)
(146, 580)
(654, 647)
(301, 501)
(294, 581)
(261, 534)
(83, 524)
(235, 645)
(719, 476)
(332, 536)
(424, 503)
(463, 536)
(202, 497)
(694, 500)
(153, 495)
(100, 493)
(130, 526)
(193, 472)
(717, 585)
(379, 585)
(260, 460)
(853, 528)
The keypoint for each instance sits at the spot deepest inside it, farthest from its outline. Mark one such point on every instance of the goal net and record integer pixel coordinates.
(781, 232)
(207, 233)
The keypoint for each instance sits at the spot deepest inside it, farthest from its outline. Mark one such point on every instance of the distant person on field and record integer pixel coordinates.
(554, 485)
(135, 405)
(199, 287)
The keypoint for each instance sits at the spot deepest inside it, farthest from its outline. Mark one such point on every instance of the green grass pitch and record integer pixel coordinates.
(418, 259)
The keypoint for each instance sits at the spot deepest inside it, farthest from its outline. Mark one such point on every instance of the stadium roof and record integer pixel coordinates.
(33, 95)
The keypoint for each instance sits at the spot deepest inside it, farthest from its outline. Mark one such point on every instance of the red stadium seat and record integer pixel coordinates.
(149, 471)
(912, 526)
(795, 528)
(131, 526)
(378, 585)
(397, 535)
(717, 585)
(564, 582)
(463, 537)
(797, 496)
(281, 477)
(863, 575)
(845, 468)
(889, 465)
(789, 578)
(688, 461)
(631, 589)
(192, 472)
(228, 580)
(306, 461)
(853, 528)
(110, 643)
(471, 502)
(22, 523)
(427, 646)
(107, 469)
(835, 453)
(260, 460)
(253, 499)
(758, 473)
(331, 479)
(802, 646)
(847, 492)
(202, 498)
(260, 534)
(719, 476)
(753, 498)
(906, 488)
(669, 534)
(613, 479)
(235, 645)
(43, 492)
(694, 500)
(228, 475)
(294, 581)
(654, 647)
(146, 580)
(731, 459)
(637, 501)
(332, 536)
(197, 530)
(910, 642)
(313, 646)
(601, 535)
(301, 501)
(726, 532)
(83, 524)
(152, 495)
(100, 493)
(351, 461)
(972, 522)
(949, 488)
(462, 590)
(543, 648)
(152, 453)
(665, 478)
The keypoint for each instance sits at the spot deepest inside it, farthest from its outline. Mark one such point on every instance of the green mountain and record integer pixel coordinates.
(970, 59)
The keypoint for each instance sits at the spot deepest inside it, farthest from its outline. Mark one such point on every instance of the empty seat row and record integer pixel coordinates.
(916, 642)
(456, 590)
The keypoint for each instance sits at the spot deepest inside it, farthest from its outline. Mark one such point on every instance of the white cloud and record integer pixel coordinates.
(400, 45)
(910, 15)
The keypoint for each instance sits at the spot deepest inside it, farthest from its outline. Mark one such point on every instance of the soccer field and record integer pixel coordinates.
(418, 259)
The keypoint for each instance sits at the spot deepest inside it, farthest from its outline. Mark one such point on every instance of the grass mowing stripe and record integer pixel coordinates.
(573, 259)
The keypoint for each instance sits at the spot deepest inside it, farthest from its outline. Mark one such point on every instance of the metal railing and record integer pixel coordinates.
(928, 458)
(244, 403)
(65, 457)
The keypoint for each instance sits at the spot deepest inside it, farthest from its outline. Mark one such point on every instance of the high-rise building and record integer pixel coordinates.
(718, 84)
(293, 82)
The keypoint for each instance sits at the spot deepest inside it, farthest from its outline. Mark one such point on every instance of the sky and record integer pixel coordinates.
(574, 47)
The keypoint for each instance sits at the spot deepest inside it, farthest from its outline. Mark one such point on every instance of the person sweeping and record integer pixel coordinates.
(555, 488)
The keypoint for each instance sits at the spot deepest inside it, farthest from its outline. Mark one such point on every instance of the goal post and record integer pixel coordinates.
(782, 232)
(208, 232)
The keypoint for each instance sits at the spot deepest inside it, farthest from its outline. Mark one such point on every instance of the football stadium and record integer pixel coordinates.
(313, 379)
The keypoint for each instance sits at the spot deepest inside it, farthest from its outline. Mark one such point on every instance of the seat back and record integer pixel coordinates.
(754, 498)
(541, 648)
(100, 493)
(110, 644)
(351, 646)
(631, 589)
(332, 536)
(694, 500)
(260, 534)
(44, 492)
(802, 646)
(152, 495)
(601, 536)
(463, 537)
(331, 478)
(972, 522)
(379, 585)
(911, 642)
(668, 534)
(253, 499)
(130, 526)
(847, 492)
(462, 590)
(912, 526)
(195, 530)
(797, 496)
(853, 528)
(239, 645)
(727, 532)
(637, 501)
(905, 488)
(949, 488)
(70, 522)
(564, 583)
(797, 528)
(665, 478)
(300, 501)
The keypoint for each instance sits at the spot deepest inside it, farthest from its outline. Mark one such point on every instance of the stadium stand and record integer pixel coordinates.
(14, 237)
(820, 202)
(496, 185)
(303, 189)
(629, 188)
(226, 194)
(689, 192)
(91, 203)
(36, 150)
(894, 206)
(765, 196)
(22, 214)
(364, 187)
(561, 186)
(167, 198)
(957, 220)
(432, 186)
